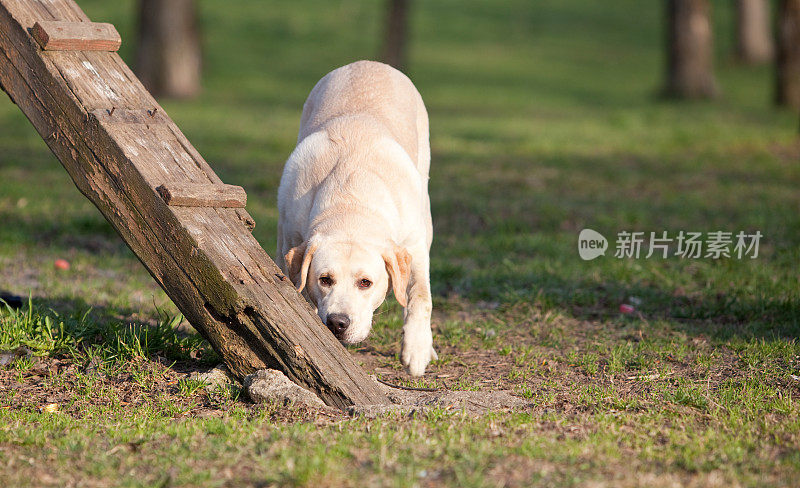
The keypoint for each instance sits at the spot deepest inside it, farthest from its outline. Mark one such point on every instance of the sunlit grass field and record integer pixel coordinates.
(545, 120)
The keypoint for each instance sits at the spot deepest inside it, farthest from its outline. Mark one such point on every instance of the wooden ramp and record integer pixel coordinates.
(129, 158)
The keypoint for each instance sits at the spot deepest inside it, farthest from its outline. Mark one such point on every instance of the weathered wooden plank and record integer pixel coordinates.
(98, 83)
(203, 195)
(105, 193)
(118, 145)
(55, 35)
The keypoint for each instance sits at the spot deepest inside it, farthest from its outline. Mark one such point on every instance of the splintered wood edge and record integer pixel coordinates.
(54, 35)
(246, 219)
(203, 195)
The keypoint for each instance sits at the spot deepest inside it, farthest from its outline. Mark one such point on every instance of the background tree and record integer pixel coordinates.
(690, 50)
(788, 59)
(754, 41)
(168, 56)
(396, 34)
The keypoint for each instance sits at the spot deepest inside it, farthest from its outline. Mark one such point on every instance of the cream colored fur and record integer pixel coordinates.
(353, 204)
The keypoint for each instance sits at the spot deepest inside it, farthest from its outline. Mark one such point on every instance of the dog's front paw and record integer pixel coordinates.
(416, 355)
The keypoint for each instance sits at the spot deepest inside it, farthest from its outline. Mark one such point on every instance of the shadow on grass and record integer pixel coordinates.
(73, 327)
(89, 233)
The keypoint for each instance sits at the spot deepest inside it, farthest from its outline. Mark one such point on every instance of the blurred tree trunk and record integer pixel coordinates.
(788, 59)
(394, 46)
(690, 55)
(754, 42)
(168, 56)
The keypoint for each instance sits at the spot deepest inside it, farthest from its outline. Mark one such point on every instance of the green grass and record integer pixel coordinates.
(545, 121)
(78, 336)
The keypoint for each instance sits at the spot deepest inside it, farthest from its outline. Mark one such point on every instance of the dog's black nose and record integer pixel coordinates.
(338, 323)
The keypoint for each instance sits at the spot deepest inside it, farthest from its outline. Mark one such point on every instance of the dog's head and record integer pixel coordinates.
(347, 281)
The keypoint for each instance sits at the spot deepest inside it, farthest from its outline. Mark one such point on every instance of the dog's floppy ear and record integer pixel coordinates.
(398, 265)
(298, 259)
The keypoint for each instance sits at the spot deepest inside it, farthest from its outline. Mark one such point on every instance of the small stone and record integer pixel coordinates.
(219, 376)
(269, 385)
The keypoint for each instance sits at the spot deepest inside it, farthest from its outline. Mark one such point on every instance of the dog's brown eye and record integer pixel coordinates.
(364, 283)
(326, 281)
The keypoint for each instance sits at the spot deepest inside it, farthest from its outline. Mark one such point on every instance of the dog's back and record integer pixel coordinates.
(377, 95)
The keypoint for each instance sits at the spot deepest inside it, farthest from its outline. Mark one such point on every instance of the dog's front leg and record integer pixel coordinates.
(417, 337)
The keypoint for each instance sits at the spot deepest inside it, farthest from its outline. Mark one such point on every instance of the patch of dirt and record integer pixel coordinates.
(548, 379)
(63, 386)
(476, 368)
(407, 400)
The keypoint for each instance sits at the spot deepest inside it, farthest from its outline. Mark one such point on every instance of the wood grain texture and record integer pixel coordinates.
(203, 195)
(76, 36)
(118, 145)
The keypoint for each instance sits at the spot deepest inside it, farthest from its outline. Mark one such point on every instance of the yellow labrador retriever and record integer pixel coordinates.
(354, 210)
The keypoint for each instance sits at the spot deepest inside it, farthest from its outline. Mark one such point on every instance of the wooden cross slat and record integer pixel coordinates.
(203, 195)
(76, 36)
